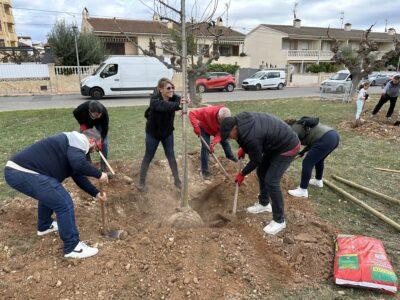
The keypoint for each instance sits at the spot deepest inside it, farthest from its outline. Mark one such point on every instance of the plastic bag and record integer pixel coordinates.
(362, 262)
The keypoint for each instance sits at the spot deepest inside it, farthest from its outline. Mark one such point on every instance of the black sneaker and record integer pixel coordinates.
(178, 184)
(142, 187)
(397, 123)
(206, 175)
(234, 159)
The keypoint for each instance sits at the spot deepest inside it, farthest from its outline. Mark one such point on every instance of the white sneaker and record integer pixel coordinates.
(82, 251)
(274, 227)
(316, 182)
(299, 192)
(257, 208)
(53, 227)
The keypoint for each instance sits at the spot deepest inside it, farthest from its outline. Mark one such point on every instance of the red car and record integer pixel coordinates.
(216, 81)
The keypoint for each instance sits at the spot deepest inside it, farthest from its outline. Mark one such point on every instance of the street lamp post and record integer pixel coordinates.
(75, 29)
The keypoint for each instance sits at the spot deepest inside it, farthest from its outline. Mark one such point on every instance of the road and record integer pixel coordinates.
(73, 100)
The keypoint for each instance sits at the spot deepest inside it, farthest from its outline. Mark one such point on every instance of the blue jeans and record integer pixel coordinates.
(316, 157)
(269, 174)
(52, 197)
(151, 149)
(204, 152)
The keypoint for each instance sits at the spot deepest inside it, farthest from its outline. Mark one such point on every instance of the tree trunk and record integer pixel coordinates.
(194, 96)
(356, 82)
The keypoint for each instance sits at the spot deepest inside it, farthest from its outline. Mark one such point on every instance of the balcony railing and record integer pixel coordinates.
(309, 54)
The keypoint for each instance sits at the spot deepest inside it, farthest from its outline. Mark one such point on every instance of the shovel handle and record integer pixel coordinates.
(107, 163)
(215, 157)
(102, 209)
(235, 199)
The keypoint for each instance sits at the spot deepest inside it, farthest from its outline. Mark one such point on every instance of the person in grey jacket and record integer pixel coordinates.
(390, 93)
(319, 141)
(271, 146)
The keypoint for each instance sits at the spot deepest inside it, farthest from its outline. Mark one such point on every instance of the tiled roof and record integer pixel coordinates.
(152, 27)
(333, 32)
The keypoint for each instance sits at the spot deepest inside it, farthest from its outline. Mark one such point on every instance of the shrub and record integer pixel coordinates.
(325, 67)
(223, 68)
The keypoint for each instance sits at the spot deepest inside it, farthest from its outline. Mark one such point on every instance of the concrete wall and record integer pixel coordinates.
(311, 79)
(264, 44)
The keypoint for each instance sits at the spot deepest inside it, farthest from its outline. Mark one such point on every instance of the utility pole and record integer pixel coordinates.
(185, 187)
(75, 29)
(341, 19)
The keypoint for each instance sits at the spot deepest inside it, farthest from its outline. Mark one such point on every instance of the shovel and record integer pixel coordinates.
(215, 157)
(116, 234)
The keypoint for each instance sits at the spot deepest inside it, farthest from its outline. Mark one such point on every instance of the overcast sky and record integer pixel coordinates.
(243, 15)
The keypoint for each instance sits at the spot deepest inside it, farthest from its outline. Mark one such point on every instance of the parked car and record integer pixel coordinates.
(265, 79)
(338, 83)
(379, 79)
(216, 81)
(125, 75)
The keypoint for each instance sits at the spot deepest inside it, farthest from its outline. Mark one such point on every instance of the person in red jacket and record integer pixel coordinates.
(206, 123)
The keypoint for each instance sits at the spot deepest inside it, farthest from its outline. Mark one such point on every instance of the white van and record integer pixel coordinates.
(338, 83)
(125, 75)
(265, 79)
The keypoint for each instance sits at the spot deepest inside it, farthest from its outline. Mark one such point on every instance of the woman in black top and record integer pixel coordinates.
(159, 128)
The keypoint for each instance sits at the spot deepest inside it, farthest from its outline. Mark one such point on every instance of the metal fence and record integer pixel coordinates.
(336, 93)
(74, 70)
(23, 71)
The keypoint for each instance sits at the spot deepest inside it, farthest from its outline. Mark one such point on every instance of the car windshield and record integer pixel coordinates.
(339, 76)
(258, 75)
(99, 69)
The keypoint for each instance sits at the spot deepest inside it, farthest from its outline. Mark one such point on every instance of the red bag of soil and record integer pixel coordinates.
(362, 262)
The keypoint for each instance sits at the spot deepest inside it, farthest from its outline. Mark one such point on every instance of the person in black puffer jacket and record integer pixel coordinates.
(160, 117)
(271, 145)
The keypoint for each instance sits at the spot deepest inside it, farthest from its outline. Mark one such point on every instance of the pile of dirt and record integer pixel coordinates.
(377, 127)
(235, 260)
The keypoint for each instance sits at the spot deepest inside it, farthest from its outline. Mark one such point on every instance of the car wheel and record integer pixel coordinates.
(280, 86)
(258, 87)
(96, 93)
(246, 88)
(201, 88)
(230, 87)
(373, 82)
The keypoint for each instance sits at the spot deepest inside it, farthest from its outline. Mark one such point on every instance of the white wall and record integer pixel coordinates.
(264, 44)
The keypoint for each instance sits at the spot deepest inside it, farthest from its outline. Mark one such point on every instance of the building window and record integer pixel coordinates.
(235, 50)
(304, 45)
(10, 27)
(116, 48)
(7, 9)
(285, 45)
(2, 43)
(225, 50)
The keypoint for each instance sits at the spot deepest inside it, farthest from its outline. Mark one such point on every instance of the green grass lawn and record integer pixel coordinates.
(354, 159)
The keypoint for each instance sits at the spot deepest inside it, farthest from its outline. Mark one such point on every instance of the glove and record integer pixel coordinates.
(83, 127)
(301, 155)
(239, 178)
(241, 154)
(215, 141)
(366, 97)
(196, 130)
(100, 146)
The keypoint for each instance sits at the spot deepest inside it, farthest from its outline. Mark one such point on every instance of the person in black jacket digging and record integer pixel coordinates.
(271, 145)
(160, 127)
(94, 114)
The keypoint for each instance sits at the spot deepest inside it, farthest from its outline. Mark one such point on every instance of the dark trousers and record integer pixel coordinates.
(269, 174)
(316, 157)
(151, 148)
(103, 165)
(385, 98)
(52, 197)
(204, 152)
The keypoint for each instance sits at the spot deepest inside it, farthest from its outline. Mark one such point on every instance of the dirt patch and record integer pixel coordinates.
(235, 261)
(377, 127)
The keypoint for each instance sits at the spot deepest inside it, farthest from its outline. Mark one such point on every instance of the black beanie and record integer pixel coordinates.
(227, 126)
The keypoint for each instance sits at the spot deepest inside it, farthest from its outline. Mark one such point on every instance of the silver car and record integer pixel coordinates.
(378, 79)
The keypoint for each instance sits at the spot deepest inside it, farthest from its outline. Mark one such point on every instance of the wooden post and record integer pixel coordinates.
(362, 204)
(387, 170)
(365, 189)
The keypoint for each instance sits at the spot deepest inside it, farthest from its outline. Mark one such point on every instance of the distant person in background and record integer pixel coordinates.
(93, 114)
(361, 98)
(389, 93)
